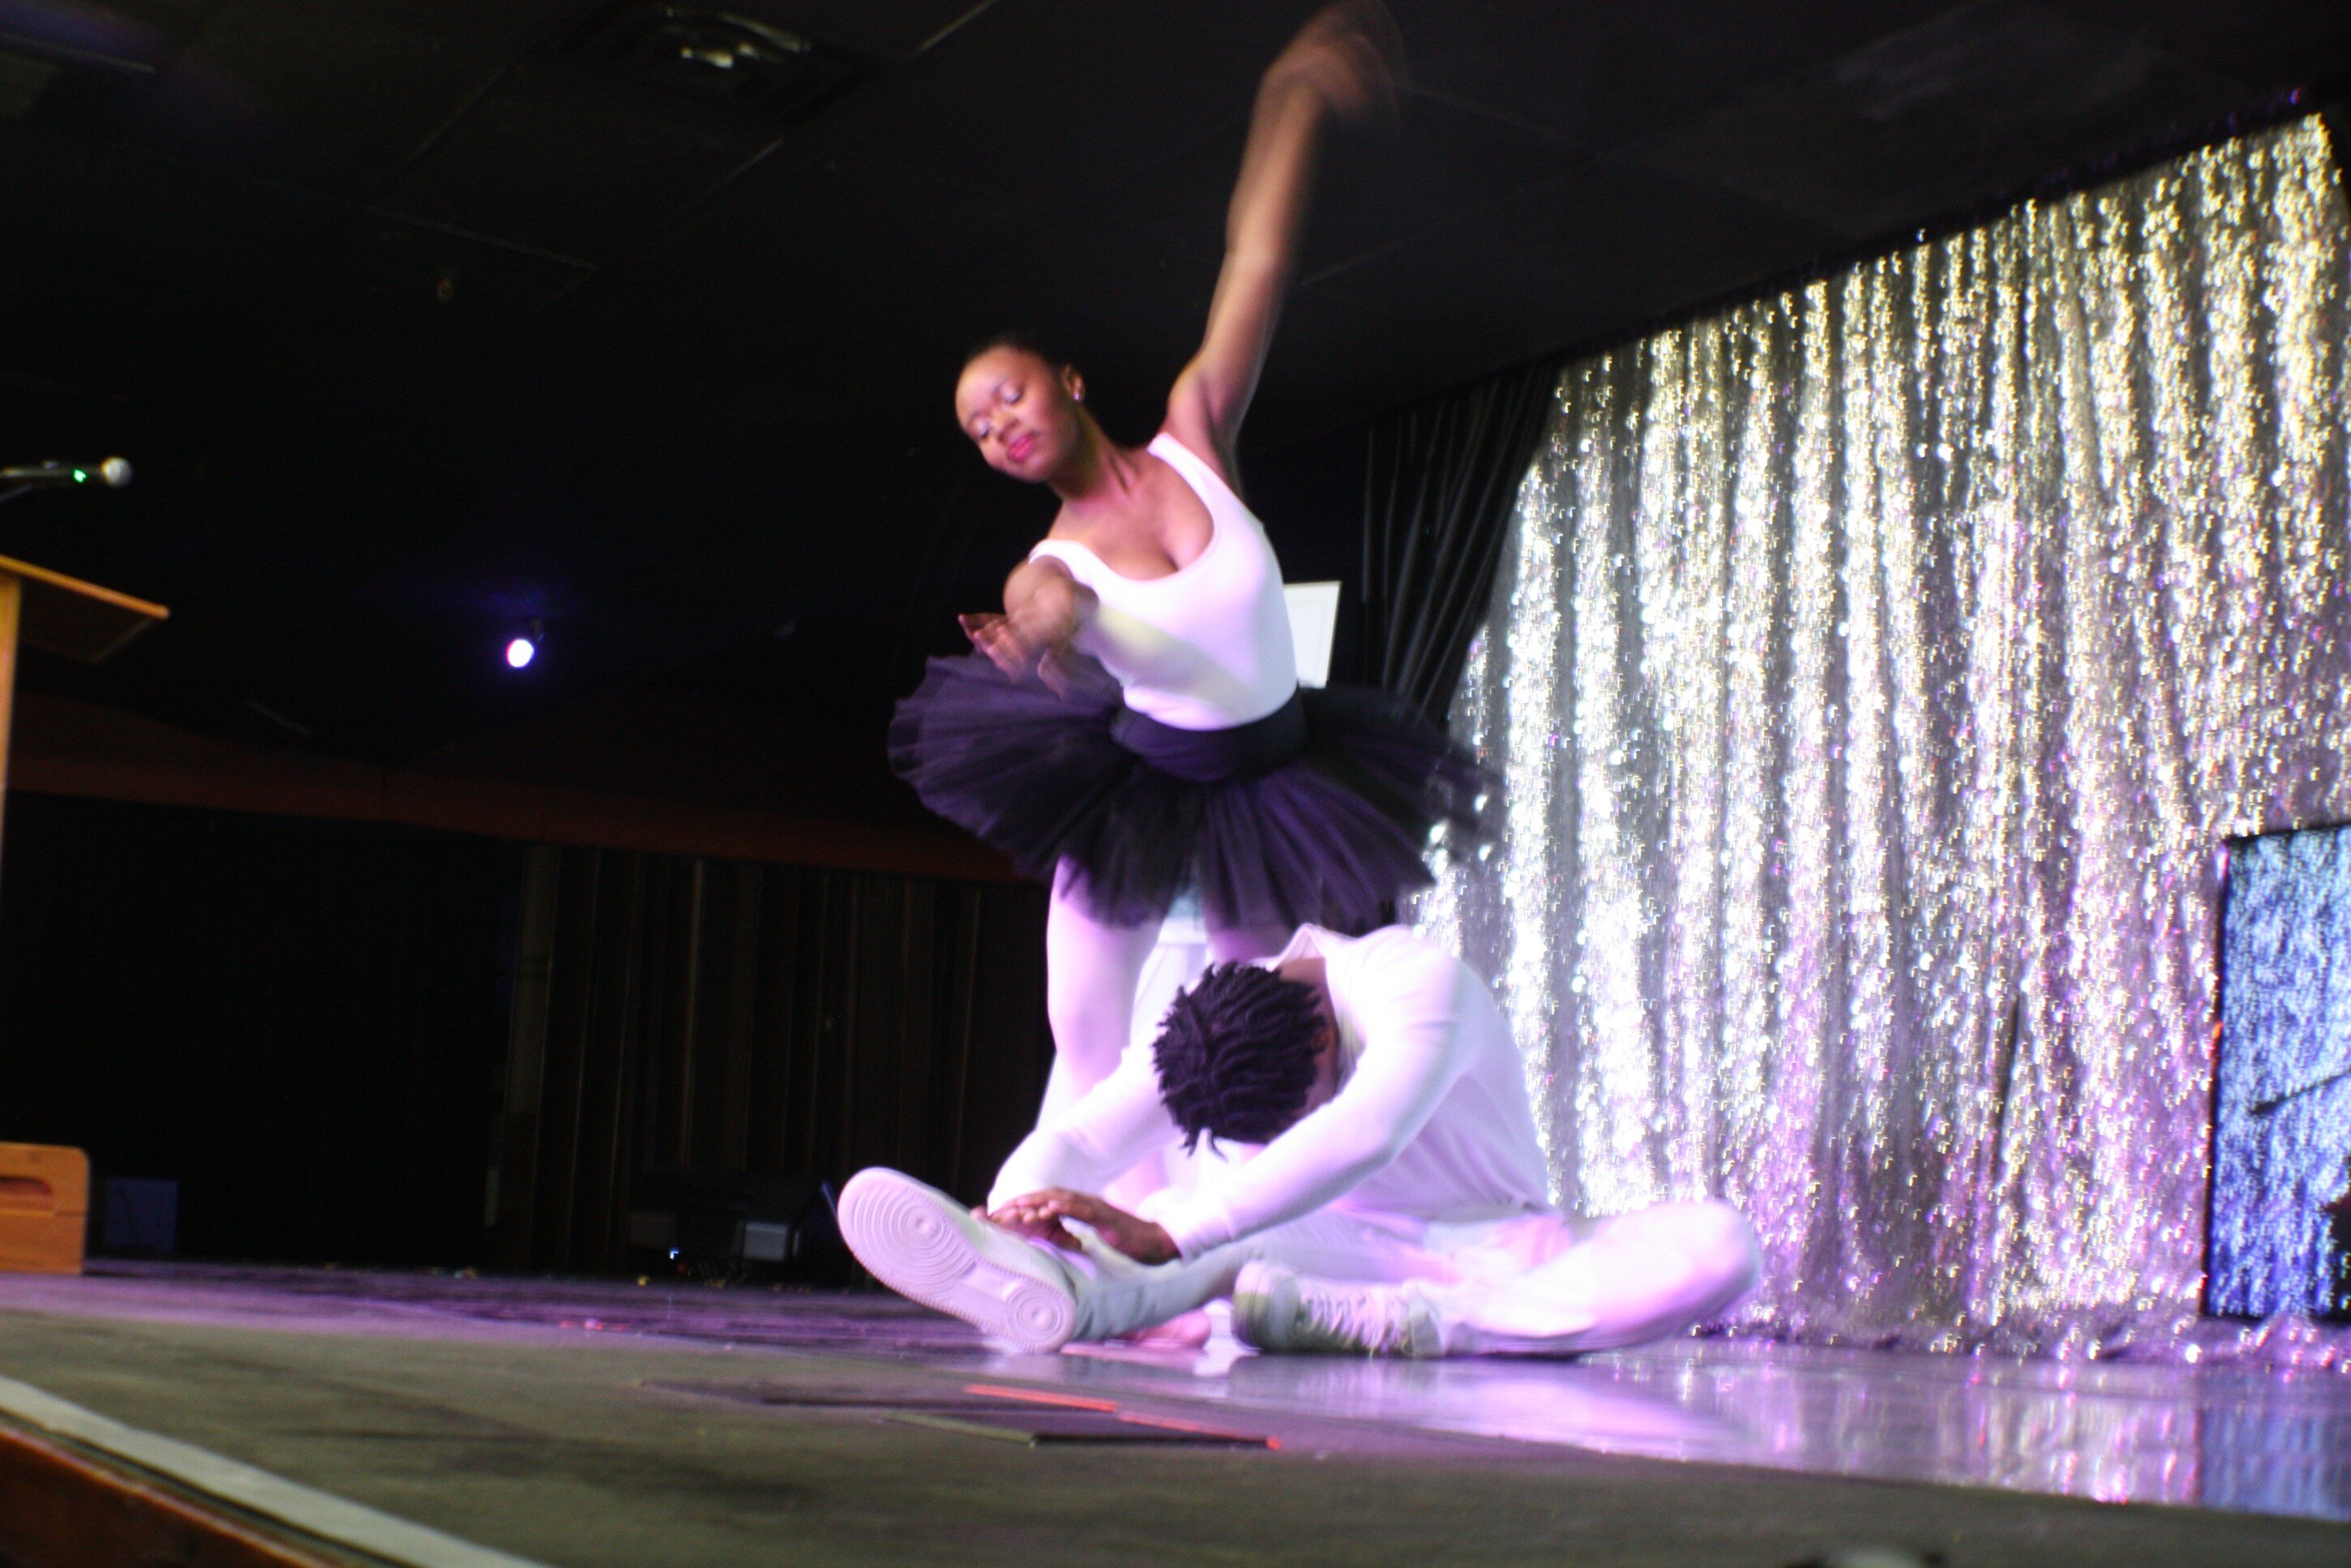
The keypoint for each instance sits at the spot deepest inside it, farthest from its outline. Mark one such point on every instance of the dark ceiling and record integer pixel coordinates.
(425, 318)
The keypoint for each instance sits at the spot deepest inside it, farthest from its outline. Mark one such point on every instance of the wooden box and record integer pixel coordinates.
(44, 1208)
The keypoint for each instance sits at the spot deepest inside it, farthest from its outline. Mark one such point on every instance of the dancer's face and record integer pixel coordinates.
(1020, 411)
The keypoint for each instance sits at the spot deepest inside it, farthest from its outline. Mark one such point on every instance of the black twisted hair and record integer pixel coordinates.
(1236, 1054)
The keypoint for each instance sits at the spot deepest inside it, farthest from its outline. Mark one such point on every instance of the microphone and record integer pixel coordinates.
(114, 474)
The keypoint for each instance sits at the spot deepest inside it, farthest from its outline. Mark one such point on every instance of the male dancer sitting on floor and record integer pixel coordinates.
(1397, 1207)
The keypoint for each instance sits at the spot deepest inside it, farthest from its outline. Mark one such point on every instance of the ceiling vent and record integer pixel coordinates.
(716, 57)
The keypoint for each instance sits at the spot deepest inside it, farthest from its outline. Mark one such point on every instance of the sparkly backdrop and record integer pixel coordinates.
(1875, 673)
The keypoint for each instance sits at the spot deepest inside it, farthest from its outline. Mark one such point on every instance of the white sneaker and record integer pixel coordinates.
(1275, 1308)
(922, 1244)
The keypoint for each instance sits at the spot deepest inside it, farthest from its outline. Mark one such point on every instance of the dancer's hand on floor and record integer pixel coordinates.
(1039, 1215)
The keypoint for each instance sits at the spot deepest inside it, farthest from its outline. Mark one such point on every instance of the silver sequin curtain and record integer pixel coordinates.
(1876, 674)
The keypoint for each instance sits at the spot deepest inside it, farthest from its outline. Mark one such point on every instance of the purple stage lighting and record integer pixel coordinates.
(520, 652)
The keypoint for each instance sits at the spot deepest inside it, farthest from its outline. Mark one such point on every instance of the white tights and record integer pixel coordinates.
(1090, 971)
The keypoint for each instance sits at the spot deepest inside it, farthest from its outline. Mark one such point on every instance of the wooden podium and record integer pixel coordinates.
(44, 1192)
(58, 614)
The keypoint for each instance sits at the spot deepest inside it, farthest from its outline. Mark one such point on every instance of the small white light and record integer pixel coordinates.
(520, 652)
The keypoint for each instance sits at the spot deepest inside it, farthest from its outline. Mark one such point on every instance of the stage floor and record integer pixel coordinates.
(597, 1423)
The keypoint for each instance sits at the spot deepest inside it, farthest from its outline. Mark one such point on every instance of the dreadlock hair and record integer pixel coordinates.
(1236, 1054)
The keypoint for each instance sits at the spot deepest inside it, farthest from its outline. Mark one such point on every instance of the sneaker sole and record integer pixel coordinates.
(918, 1242)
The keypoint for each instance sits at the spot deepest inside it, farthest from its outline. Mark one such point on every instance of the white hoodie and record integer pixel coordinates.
(1430, 1121)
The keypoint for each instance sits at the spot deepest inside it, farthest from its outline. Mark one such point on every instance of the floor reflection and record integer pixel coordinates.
(2215, 1437)
(2241, 1438)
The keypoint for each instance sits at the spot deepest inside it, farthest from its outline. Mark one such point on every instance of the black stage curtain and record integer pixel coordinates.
(369, 1045)
(721, 1016)
(299, 1021)
(1441, 481)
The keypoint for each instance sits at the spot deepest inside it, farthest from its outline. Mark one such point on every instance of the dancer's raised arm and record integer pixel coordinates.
(1208, 768)
(1339, 65)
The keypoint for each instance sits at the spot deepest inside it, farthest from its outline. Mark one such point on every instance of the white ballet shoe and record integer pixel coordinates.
(923, 1245)
(1275, 1308)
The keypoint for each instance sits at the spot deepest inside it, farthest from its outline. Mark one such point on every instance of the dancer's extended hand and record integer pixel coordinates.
(1021, 655)
(1043, 609)
(1347, 63)
(995, 635)
(1351, 54)
(1039, 1215)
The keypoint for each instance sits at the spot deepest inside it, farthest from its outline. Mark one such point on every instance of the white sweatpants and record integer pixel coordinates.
(1533, 1285)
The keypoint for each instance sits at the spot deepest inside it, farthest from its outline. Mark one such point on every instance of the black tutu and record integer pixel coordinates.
(1320, 813)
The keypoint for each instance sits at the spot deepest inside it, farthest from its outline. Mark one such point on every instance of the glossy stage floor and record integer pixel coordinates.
(585, 1422)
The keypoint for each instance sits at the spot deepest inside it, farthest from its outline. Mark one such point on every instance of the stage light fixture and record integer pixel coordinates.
(522, 648)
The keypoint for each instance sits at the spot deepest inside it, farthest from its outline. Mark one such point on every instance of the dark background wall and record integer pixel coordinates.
(307, 1024)
(301, 1022)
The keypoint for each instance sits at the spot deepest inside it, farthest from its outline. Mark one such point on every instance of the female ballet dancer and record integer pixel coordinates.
(1132, 723)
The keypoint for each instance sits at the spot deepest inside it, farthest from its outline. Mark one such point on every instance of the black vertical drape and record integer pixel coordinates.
(352, 1042)
(726, 1018)
(1439, 484)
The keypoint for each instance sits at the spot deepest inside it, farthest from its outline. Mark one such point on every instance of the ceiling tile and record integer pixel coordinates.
(564, 161)
(1596, 76)
(891, 32)
(1575, 263)
(1446, 164)
(1045, 106)
(451, 278)
(328, 96)
(134, 32)
(1970, 106)
(2270, 43)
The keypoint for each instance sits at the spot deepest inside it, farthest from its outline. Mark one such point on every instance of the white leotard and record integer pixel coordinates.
(1206, 646)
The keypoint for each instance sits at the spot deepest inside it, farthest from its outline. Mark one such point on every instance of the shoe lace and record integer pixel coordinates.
(1356, 1317)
